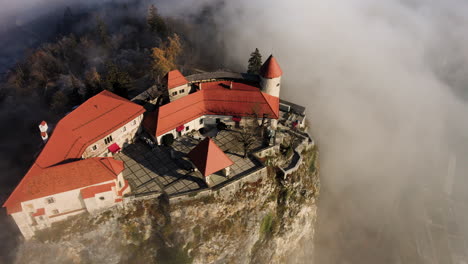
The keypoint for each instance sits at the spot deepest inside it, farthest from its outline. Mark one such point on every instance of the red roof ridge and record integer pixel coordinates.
(79, 136)
(113, 165)
(209, 157)
(91, 191)
(271, 69)
(268, 99)
(212, 99)
(40, 182)
(174, 79)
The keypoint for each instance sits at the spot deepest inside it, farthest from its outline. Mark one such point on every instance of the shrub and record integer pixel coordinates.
(289, 153)
(167, 140)
(266, 228)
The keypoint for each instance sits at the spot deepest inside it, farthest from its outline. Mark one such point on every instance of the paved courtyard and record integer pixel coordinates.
(153, 170)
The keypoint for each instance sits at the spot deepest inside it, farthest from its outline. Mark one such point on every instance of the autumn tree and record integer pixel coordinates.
(92, 83)
(117, 81)
(247, 136)
(20, 77)
(59, 102)
(75, 97)
(101, 31)
(255, 62)
(155, 22)
(164, 58)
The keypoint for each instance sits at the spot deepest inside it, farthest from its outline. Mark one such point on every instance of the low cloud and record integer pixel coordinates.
(384, 85)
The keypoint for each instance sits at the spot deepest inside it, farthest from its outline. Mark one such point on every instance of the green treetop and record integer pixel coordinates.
(255, 62)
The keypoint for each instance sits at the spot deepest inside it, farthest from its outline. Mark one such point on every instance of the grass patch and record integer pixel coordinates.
(266, 228)
(173, 255)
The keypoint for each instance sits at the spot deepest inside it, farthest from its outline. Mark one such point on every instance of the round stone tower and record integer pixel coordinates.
(270, 77)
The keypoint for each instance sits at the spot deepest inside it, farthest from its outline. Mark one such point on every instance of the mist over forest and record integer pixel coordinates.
(384, 84)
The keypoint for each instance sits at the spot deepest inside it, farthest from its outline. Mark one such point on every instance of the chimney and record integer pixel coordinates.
(199, 86)
(43, 128)
(230, 86)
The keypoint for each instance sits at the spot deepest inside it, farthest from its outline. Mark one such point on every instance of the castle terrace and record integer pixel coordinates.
(153, 170)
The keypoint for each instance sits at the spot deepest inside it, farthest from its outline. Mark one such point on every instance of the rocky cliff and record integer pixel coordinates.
(267, 221)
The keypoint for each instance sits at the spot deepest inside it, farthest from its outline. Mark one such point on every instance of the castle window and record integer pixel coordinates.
(94, 147)
(101, 198)
(174, 93)
(277, 84)
(120, 184)
(55, 211)
(187, 128)
(201, 121)
(182, 90)
(108, 140)
(133, 122)
(50, 200)
(124, 129)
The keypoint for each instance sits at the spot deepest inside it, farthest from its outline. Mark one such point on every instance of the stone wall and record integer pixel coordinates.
(225, 188)
(306, 143)
(123, 136)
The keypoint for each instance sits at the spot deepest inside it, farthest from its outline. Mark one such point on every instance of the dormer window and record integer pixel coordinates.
(174, 93)
(182, 90)
(94, 147)
(108, 140)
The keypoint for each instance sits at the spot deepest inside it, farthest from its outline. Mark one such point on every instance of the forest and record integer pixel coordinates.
(121, 46)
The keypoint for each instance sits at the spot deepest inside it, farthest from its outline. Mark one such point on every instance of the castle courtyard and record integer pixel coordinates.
(154, 170)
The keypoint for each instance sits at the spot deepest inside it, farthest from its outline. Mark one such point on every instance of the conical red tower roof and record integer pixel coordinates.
(209, 158)
(174, 79)
(271, 69)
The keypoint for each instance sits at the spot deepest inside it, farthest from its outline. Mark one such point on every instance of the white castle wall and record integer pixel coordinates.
(181, 91)
(67, 203)
(119, 136)
(100, 201)
(271, 86)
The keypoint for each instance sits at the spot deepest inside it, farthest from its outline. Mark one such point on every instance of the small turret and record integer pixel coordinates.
(177, 85)
(44, 128)
(270, 77)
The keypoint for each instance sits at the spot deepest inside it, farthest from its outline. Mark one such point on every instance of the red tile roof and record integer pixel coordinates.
(215, 98)
(91, 191)
(209, 158)
(174, 79)
(39, 212)
(271, 69)
(91, 121)
(62, 178)
(120, 193)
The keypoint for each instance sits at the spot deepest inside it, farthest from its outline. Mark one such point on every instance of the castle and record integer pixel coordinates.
(77, 171)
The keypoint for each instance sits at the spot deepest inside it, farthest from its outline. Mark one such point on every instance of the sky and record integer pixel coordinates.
(384, 83)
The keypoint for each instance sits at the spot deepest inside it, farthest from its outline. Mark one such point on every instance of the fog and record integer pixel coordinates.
(384, 86)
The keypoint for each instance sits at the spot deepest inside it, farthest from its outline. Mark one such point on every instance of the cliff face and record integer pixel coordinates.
(267, 221)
